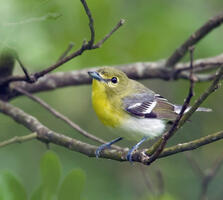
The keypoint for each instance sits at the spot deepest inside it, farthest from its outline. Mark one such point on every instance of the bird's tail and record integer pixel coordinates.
(177, 109)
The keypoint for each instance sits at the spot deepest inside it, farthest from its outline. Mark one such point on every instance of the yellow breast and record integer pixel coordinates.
(107, 110)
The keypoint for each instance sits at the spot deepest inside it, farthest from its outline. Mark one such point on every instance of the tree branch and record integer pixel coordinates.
(60, 116)
(63, 118)
(136, 71)
(213, 87)
(91, 23)
(141, 70)
(118, 25)
(207, 175)
(18, 139)
(159, 144)
(195, 166)
(65, 53)
(210, 25)
(210, 174)
(194, 144)
(85, 46)
(166, 136)
(49, 136)
(46, 135)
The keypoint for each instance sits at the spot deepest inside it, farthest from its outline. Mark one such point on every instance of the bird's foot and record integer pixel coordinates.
(129, 154)
(135, 147)
(106, 146)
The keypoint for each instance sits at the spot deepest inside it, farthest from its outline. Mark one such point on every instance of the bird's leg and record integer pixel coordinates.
(106, 146)
(129, 155)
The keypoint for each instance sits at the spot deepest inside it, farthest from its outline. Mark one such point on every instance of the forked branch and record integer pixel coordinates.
(85, 46)
(62, 117)
(46, 135)
(136, 71)
(194, 38)
(161, 144)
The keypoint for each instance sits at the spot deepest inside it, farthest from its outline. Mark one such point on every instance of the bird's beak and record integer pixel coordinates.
(96, 75)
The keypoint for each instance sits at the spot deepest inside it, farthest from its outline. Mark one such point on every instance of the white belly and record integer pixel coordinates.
(137, 128)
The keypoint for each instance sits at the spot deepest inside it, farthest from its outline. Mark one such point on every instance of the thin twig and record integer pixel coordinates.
(70, 46)
(210, 25)
(62, 117)
(175, 125)
(199, 67)
(47, 135)
(67, 58)
(18, 139)
(207, 175)
(192, 145)
(140, 70)
(216, 165)
(160, 185)
(147, 180)
(161, 143)
(85, 46)
(195, 166)
(91, 23)
(30, 78)
(210, 174)
(213, 87)
(118, 25)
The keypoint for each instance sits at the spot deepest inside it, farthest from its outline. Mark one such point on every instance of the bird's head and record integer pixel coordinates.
(111, 80)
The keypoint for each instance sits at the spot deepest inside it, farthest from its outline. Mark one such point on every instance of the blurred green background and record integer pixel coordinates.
(41, 30)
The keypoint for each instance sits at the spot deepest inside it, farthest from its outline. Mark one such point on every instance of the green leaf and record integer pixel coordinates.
(11, 188)
(50, 170)
(165, 196)
(72, 185)
(1, 193)
(37, 194)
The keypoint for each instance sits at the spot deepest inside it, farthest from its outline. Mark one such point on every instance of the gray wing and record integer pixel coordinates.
(146, 105)
(140, 105)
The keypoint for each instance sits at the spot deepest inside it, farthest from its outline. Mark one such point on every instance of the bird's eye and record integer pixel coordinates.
(114, 80)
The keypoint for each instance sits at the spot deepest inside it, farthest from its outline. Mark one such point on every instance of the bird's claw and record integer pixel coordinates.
(106, 146)
(135, 147)
(129, 155)
(101, 148)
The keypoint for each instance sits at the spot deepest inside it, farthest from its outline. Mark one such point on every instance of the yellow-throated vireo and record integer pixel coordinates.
(123, 103)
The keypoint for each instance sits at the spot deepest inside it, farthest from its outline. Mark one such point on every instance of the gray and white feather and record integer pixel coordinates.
(150, 113)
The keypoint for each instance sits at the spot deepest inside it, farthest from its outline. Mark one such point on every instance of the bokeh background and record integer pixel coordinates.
(41, 30)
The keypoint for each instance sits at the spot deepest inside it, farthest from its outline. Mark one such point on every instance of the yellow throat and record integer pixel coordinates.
(107, 112)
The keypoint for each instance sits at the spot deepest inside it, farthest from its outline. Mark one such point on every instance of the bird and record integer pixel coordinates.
(126, 104)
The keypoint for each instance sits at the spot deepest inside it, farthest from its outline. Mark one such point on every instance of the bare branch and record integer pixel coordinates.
(194, 144)
(53, 137)
(91, 23)
(147, 180)
(160, 185)
(175, 125)
(119, 24)
(216, 166)
(65, 53)
(210, 25)
(18, 139)
(143, 70)
(85, 46)
(47, 135)
(195, 166)
(210, 174)
(29, 78)
(62, 117)
(184, 118)
(207, 175)
(213, 87)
